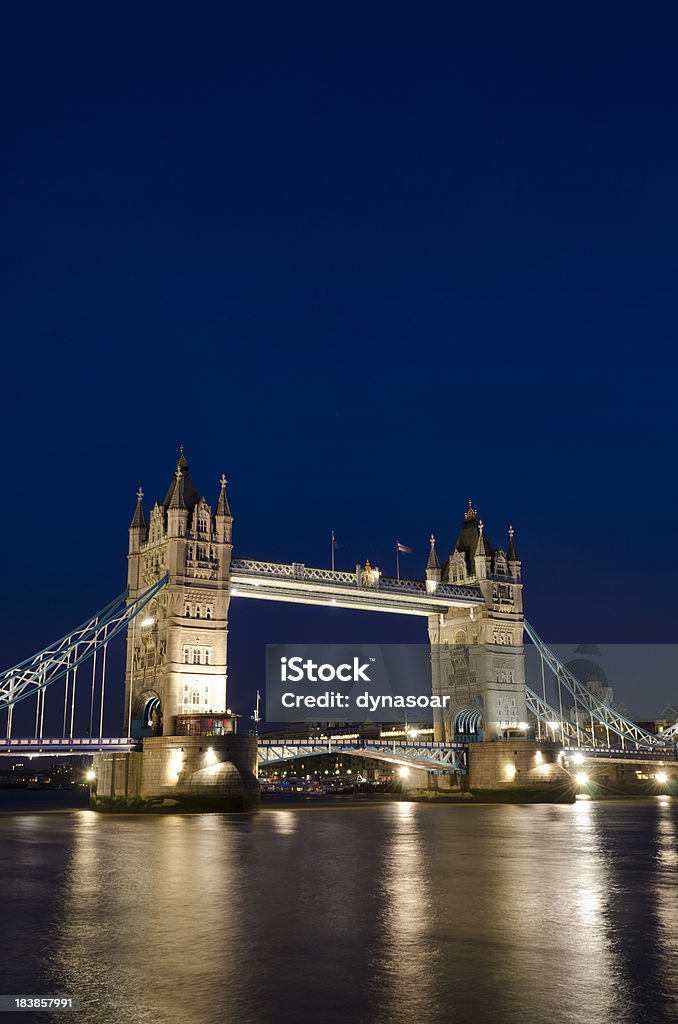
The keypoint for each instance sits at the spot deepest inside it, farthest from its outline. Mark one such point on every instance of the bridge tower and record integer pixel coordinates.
(177, 653)
(477, 653)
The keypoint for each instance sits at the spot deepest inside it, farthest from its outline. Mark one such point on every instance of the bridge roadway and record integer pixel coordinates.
(364, 590)
(443, 758)
(39, 746)
(432, 757)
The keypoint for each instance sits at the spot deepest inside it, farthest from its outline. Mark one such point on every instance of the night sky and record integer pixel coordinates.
(369, 260)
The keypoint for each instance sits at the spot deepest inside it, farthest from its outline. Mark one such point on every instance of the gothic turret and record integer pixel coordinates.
(482, 556)
(433, 565)
(138, 530)
(177, 511)
(512, 555)
(222, 517)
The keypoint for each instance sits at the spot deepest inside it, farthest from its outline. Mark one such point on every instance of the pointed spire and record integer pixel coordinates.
(178, 500)
(223, 508)
(190, 496)
(481, 547)
(433, 562)
(512, 553)
(139, 518)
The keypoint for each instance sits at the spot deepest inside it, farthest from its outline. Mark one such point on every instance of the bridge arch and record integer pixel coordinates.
(147, 714)
(466, 724)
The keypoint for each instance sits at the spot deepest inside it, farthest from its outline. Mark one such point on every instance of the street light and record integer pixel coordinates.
(662, 777)
(582, 778)
(91, 775)
(145, 623)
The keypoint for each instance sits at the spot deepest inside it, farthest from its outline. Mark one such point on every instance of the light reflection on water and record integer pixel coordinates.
(389, 912)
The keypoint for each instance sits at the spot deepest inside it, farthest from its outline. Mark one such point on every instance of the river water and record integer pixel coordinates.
(386, 912)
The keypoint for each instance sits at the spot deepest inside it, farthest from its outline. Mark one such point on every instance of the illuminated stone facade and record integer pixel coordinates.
(477, 653)
(177, 647)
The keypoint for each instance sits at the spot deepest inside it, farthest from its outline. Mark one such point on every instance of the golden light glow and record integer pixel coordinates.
(176, 763)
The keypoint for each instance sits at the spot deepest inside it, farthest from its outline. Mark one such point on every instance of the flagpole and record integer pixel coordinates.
(332, 550)
(397, 562)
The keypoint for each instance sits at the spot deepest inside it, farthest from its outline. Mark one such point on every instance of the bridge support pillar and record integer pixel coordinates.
(181, 773)
(515, 765)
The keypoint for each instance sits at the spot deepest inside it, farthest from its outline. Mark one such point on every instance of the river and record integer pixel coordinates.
(385, 912)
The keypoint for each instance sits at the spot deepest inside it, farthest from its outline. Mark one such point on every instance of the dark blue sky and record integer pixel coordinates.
(369, 260)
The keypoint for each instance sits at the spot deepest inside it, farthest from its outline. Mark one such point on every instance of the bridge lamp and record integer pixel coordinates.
(145, 623)
(662, 777)
(582, 778)
(510, 772)
(578, 758)
(90, 775)
(403, 772)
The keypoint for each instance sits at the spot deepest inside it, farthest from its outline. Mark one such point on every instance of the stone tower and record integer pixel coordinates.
(177, 646)
(477, 653)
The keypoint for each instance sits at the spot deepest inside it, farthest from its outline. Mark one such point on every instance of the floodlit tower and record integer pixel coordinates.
(177, 647)
(477, 653)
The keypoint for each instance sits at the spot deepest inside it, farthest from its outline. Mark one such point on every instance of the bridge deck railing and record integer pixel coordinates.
(297, 571)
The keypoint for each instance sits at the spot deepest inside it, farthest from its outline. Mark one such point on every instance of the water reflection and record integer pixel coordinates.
(407, 958)
(368, 914)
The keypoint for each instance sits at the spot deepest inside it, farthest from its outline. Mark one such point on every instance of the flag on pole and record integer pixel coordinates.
(334, 548)
(400, 549)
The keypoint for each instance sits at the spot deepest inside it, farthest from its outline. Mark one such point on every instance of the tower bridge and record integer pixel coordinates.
(174, 617)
